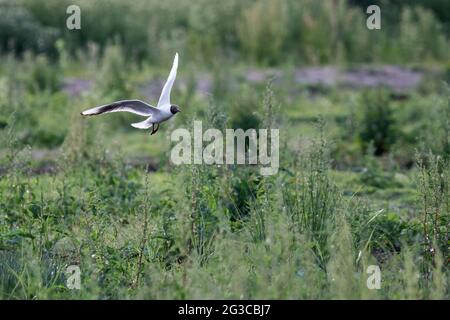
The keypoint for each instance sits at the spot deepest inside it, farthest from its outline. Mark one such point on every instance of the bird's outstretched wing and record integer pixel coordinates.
(164, 99)
(134, 106)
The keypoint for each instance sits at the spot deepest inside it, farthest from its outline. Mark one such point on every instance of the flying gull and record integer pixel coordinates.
(155, 115)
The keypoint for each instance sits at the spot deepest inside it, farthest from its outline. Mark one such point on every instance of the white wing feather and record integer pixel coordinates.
(134, 106)
(164, 99)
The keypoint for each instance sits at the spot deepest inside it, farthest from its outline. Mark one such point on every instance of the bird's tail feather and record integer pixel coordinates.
(143, 124)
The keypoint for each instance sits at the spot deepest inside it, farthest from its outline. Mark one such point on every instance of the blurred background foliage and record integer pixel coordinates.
(260, 31)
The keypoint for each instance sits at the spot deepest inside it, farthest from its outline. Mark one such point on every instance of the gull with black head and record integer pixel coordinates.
(163, 111)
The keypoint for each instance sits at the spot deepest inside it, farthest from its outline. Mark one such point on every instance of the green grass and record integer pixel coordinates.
(204, 232)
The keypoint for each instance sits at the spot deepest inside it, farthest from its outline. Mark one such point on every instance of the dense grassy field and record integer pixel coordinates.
(364, 153)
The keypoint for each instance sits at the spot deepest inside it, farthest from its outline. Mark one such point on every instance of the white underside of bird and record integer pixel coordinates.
(163, 111)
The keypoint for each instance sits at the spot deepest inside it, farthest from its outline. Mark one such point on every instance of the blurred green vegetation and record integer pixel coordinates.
(259, 31)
